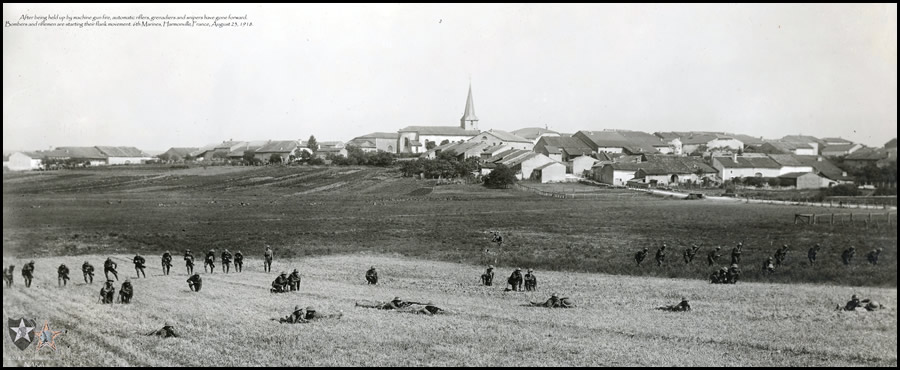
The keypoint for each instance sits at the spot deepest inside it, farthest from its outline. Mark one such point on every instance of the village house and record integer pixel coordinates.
(790, 164)
(581, 164)
(745, 166)
(549, 172)
(617, 174)
(879, 157)
(383, 141)
(826, 169)
(498, 137)
(840, 150)
(237, 153)
(174, 155)
(811, 141)
(703, 142)
(463, 150)
(87, 155)
(785, 147)
(620, 141)
(674, 170)
(523, 162)
(562, 149)
(25, 161)
(124, 155)
(489, 152)
(534, 133)
(284, 149)
(803, 180)
(217, 151)
(416, 139)
(324, 153)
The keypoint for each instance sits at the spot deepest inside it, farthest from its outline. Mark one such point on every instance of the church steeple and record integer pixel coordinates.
(469, 120)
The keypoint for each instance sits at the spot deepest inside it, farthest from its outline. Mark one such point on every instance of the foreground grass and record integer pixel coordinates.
(749, 324)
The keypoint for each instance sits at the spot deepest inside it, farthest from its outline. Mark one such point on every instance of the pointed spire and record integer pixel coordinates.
(469, 120)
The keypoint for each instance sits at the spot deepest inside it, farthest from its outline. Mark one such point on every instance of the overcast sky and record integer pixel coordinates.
(340, 71)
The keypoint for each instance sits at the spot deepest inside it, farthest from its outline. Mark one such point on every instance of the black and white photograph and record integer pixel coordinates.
(433, 185)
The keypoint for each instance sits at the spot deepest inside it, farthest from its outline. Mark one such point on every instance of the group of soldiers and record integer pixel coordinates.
(108, 292)
(726, 275)
(855, 303)
(286, 283)
(515, 280)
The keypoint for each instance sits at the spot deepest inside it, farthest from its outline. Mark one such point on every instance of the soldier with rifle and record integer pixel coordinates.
(139, 265)
(189, 261)
(166, 262)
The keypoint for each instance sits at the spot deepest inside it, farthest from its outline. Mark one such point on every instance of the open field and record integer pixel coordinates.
(227, 323)
(311, 211)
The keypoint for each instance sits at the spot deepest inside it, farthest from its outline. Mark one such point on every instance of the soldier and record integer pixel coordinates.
(195, 282)
(167, 331)
(166, 262)
(88, 271)
(294, 317)
(661, 255)
(530, 281)
(515, 280)
(27, 273)
(394, 304)
(294, 280)
(640, 255)
(430, 309)
(8, 275)
(302, 316)
(268, 255)
(210, 261)
(107, 292)
(873, 256)
(684, 306)
(853, 304)
(139, 265)
(110, 266)
(126, 292)
(497, 238)
(280, 285)
(848, 254)
(487, 278)
(226, 261)
(813, 252)
(62, 275)
(768, 267)
(189, 261)
(555, 302)
(690, 253)
(736, 253)
(713, 256)
(372, 276)
(238, 261)
(780, 255)
(734, 272)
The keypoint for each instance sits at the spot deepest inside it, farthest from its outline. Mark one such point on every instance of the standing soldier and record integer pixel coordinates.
(661, 255)
(238, 261)
(813, 252)
(107, 292)
(189, 261)
(713, 256)
(139, 265)
(88, 271)
(640, 255)
(780, 255)
(690, 253)
(8, 275)
(268, 255)
(515, 280)
(110, 266)
(768, 267)
(873, 256)
(487, 278)
(126, 292)
(226, 261)
(736, 253)
(530, 281)
(195, 282)
(372, 276)
(210, 261)
(847, 256)
(27, 273)
(166, 262)
(62, 275)
(294, 280)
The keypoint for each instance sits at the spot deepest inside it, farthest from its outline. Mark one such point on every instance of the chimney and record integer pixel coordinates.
(844, 173)
(734, 157)
(819, 158)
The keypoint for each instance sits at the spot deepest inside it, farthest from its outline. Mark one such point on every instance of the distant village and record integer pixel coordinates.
(611, 156)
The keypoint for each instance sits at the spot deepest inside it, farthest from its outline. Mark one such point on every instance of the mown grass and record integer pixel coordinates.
(749, 324)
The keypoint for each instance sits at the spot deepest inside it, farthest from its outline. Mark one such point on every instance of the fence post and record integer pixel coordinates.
(832, 218)
(851, 218)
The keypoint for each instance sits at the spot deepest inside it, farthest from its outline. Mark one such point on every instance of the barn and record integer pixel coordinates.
(581, 164)
(803, 180)
(124, 155)
(25, 161)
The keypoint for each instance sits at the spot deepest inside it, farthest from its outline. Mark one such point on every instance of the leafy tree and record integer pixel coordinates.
(275, 158)
(312, 144)
(429, 145)
(380, 159)
(220, 155)
(316, 161)
(500, 177)
(249, 156)
(446, 141)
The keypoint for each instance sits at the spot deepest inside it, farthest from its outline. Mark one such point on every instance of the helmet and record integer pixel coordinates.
(740, 243)
(854, 297)
(284, 273)
(296, 308)
(719, 247)
(530, 270)
(724, 268)
(518, 269)
(684, 299)
(295, 270)
(127, 280)
(168, 252)
(87, 263)
(372, 268)
(490, 266)
(239, 252)
(734, 265)
(646, 249)
(32, 262)
(310, 309)
(168, 323)
(554, 295)
(784, 246)
(196, 274)
(63, 265)
(397, 299)
(187, 250)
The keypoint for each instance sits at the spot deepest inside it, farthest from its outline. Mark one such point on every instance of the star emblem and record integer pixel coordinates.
(22, 331)
(47, 336)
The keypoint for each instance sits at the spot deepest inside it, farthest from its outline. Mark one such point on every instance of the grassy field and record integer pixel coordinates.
(313, 211)
(227, 323)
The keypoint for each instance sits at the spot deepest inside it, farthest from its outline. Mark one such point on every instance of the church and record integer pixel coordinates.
(413, 139)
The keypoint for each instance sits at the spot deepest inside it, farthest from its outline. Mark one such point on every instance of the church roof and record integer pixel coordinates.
(440, 130)
(469, 113)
